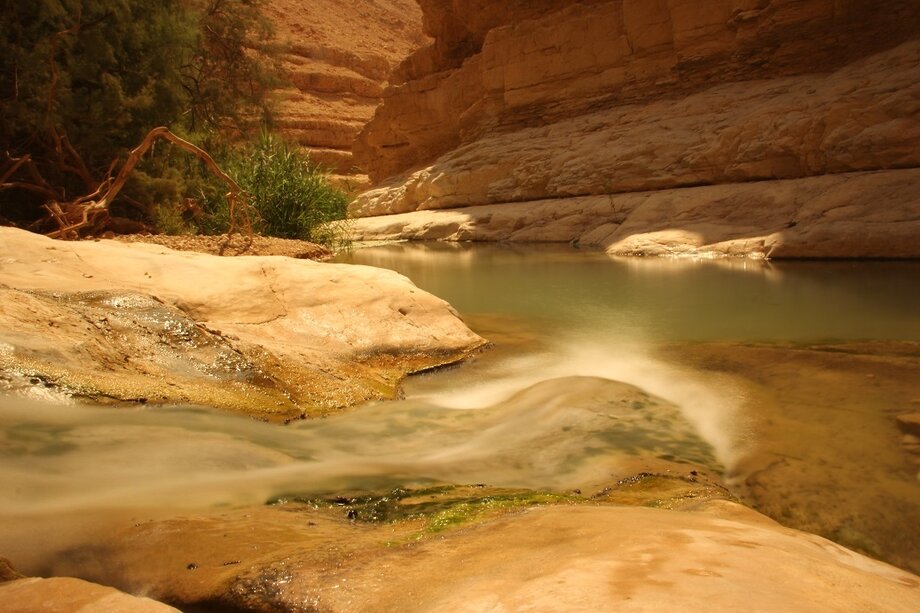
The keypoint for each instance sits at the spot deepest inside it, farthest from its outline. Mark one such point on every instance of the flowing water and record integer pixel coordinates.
(787, 379)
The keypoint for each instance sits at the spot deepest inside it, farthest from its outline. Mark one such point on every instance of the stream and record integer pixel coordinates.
(785, 379)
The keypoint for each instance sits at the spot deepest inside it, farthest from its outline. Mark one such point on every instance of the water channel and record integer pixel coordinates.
(785, 379)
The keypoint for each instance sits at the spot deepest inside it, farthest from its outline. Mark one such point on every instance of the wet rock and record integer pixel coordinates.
(785, 474)
(590, 556)
(142, 350)
(269, 336)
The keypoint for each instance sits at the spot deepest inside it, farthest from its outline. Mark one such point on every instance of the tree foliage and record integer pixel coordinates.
(82, 82)
(222, 76)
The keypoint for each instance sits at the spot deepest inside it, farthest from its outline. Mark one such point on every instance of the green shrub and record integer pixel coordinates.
(291, 196)
(169, 219)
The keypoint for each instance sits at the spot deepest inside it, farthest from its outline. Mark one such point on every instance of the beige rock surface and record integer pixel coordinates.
(863, 117)
(719, 556)
(72, 595)
(563, 101)
(504, 66)
(639, 559)
(874, 214)
(133, 321)
(338, 58)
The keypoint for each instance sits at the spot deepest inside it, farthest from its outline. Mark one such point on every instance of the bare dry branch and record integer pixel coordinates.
(69, 160)
(93, 208)
(11, 166)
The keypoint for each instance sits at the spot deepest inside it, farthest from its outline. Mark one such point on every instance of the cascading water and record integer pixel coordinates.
(598, 367)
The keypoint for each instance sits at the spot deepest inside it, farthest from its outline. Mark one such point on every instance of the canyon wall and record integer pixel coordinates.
(665, 109)
(336, 60)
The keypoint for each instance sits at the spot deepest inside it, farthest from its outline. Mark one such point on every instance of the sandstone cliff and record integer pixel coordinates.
(668, 110)
(338, 57)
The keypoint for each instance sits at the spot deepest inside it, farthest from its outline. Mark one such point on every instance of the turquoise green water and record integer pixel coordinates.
(794, 372)
(808, 436)
(573, 291)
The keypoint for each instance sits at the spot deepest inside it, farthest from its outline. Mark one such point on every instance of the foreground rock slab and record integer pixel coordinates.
(715, 556)
(634, 559)
(68, 594)
(269, 336)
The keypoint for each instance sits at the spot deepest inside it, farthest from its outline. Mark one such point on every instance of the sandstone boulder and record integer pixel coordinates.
(270, 336)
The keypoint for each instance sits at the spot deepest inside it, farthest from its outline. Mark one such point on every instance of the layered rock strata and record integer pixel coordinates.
(873, 214)
(273, 337)
(336, 62)
(616, 98)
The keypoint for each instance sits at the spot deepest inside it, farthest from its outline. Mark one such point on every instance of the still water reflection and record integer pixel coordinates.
(586, 292)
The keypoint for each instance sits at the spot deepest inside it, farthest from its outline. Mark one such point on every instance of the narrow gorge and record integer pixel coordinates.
(769, 128)
(337, 58)
(622, 315)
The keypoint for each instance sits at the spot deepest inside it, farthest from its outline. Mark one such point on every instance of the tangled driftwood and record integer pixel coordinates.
(90, 212)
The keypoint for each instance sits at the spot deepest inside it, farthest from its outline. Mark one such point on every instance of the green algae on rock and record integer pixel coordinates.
(593, 555)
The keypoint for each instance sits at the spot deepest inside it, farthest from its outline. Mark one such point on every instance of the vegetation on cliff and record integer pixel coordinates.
(83, 81)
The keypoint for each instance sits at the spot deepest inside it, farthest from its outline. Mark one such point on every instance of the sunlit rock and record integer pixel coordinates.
(590, 120)
(268, 336)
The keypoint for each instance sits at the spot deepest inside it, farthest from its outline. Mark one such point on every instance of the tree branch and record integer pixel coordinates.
(88, 210)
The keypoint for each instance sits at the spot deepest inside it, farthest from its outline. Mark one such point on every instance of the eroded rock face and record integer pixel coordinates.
(338, 58)
(270, 336)
(609, 98)
(503, 66)
(845, 215)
